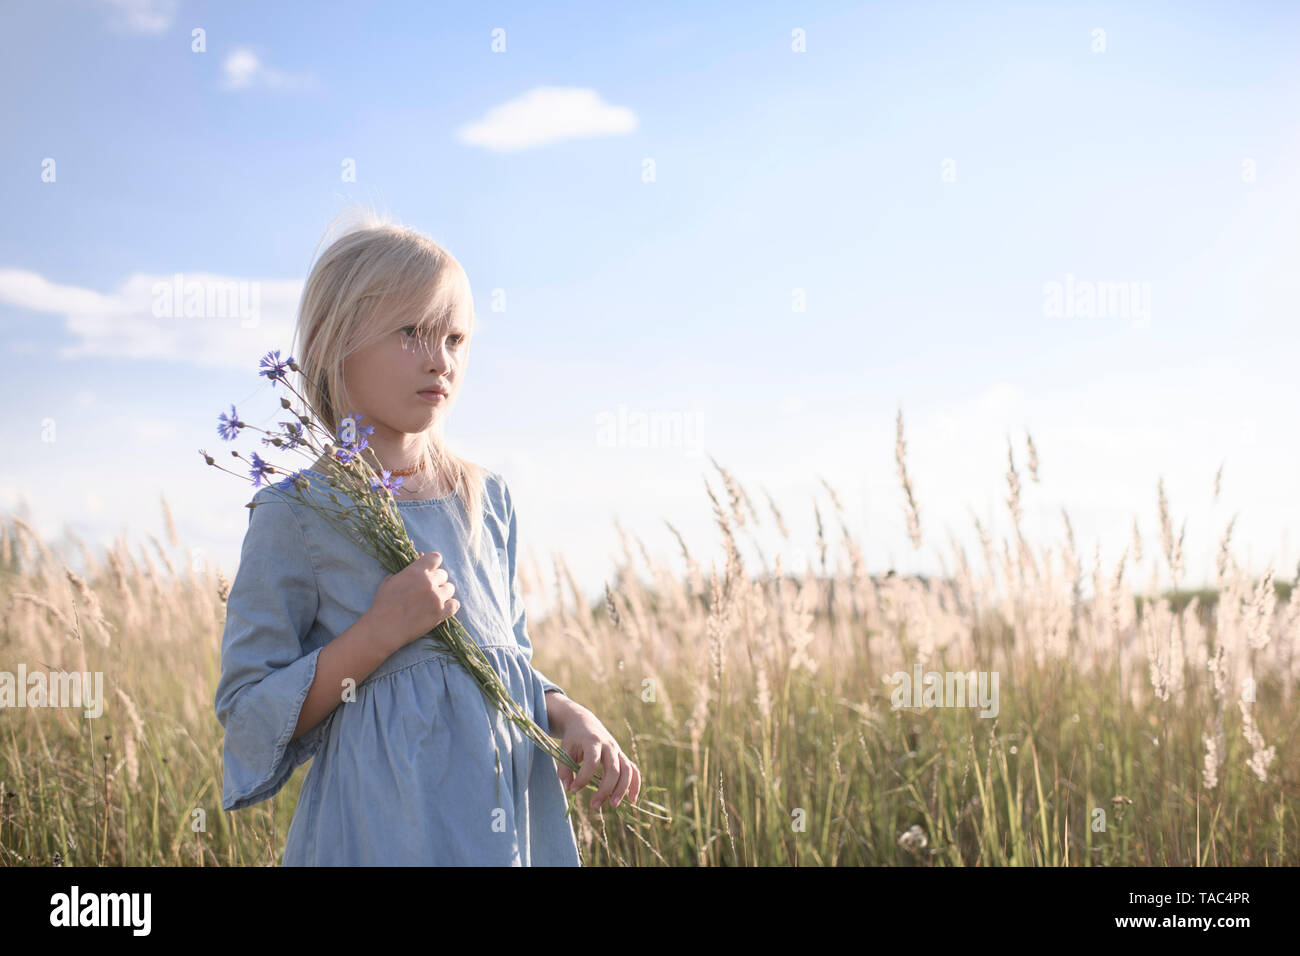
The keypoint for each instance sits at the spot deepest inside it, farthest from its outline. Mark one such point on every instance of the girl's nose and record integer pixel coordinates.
(438, 361)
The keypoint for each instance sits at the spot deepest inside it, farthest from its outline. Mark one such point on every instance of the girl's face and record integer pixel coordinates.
(394, 381)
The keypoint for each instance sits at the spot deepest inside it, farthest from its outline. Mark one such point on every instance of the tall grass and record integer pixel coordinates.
(1126, 732)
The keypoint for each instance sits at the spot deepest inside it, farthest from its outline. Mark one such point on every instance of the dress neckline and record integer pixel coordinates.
(400, 502)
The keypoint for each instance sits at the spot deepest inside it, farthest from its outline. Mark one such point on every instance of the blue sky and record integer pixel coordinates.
(828, 235)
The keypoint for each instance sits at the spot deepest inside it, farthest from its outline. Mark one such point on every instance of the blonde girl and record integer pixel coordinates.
(324, 655)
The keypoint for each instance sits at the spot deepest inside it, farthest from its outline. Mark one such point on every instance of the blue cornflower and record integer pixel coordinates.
(259, 470)
(273, 368)
(294, 434)
(228, 428)
(387, 481)
(292, 437)
(352, 450)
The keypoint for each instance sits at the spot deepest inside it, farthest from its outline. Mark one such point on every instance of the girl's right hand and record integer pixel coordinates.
(412, 602)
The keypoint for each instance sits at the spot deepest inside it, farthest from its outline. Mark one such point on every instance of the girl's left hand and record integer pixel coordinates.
(586, 740)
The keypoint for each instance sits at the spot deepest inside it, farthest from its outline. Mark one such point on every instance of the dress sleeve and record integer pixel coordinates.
(518, 614)
(264, 674)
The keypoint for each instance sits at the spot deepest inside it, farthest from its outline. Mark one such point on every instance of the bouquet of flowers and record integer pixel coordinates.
(373, 522)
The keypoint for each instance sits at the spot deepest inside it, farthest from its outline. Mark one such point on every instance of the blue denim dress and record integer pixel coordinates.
(420, 769)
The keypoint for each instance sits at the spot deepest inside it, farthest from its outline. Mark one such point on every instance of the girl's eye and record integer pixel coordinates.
(409, 331)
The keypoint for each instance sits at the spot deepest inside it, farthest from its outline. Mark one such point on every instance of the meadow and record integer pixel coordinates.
(1133, 725)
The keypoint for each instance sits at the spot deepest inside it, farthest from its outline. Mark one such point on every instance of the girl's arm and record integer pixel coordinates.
(558, 710)
(355, 653)
(589, 742)
(265, 673)
(407, 604)
(272, 697)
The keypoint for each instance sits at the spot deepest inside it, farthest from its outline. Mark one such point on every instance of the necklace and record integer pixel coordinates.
(405, 472)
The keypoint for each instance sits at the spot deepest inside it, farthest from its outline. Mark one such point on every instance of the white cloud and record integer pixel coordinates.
(240, 68)
(198, 318)
(143, 16)
(545, 115)
(28, 290)
(243, 69)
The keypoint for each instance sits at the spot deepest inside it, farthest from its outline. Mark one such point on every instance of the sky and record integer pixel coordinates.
(770, 228)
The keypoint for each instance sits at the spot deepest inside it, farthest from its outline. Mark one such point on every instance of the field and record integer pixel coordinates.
(1132, 727)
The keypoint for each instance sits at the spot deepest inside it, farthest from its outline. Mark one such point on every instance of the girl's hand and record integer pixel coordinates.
(412, 602)
(585, 739)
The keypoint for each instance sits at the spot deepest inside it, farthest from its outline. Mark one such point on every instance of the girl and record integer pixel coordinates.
(324, 655)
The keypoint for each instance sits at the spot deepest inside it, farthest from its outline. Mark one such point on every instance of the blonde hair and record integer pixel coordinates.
(375, 277)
